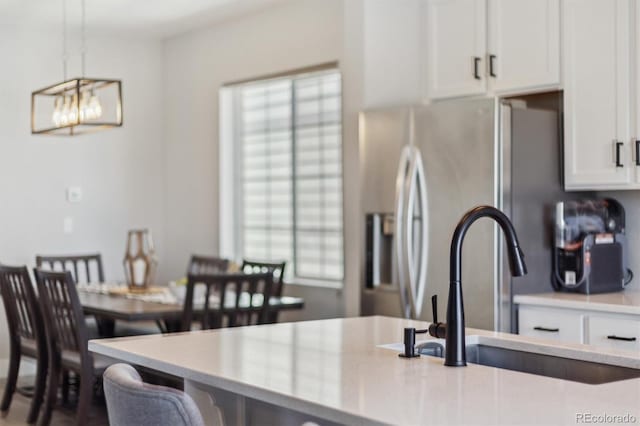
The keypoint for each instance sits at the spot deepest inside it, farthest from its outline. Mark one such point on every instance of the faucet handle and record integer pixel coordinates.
(434, 307)
(437, 329)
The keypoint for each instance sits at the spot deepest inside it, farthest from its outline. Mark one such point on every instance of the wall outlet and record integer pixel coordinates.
(74, 194)
(67, 225)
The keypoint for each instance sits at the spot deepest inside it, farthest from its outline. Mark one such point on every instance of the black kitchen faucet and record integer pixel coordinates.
(455, 352)
(453, 330)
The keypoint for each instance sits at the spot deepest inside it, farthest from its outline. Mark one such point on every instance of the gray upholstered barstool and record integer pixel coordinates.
(130, 401)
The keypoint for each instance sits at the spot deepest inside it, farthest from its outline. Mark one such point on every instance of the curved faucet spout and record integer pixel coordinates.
(516, 257)
(455, 351)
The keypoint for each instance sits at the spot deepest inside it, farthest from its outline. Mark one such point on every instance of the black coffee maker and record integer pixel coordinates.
(590, 250)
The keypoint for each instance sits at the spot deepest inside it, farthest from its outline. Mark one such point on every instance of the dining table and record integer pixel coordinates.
(109, 307)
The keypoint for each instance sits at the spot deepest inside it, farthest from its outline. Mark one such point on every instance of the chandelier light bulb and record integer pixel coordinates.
(56, 118)
(66, 109)
(73, 110)
(95, 106)
(84, 107)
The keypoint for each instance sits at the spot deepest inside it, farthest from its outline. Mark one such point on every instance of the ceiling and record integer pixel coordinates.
(145, 18)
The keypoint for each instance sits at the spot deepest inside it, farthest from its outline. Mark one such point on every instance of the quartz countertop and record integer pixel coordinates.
(337, 370)
(622, 302)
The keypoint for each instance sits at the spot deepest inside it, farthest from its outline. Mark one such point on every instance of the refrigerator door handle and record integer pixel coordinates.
(399, 253)
(417, 272)
(424, 232)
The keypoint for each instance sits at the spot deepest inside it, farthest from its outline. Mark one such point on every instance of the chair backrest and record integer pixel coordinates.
(130, 401)
(89, 265)
(21, 306)
(201, 265)
(276, 269)
(63, 317)
(242, 298)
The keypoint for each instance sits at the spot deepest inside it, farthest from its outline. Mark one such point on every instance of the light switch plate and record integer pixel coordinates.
(67, 225)
(74, 194)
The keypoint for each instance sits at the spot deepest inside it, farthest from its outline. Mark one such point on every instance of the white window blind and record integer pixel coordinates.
(291, 179)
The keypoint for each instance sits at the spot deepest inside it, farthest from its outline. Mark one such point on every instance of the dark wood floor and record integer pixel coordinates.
(62, 416)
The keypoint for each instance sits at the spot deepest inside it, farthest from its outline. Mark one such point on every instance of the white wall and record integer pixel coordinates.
(392, 43)
(284, 37)
(121, 171)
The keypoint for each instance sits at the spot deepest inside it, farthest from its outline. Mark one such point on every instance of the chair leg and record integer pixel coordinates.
(12, 378)
(38, 393)
(106, 327)
(65, 386)
(85, 397)
(51, 393)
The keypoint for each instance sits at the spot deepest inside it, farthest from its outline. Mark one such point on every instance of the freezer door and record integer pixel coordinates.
(385, 164)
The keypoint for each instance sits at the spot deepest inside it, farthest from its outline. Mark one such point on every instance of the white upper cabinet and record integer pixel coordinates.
(455, 43)
(483, 46)
(524, 44)
(597, 145)
(635, 140)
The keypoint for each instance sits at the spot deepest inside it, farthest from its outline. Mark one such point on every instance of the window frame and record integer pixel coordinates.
(238, 173)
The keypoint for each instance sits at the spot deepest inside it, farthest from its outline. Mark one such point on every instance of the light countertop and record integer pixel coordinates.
(335, 369)
(623, 302)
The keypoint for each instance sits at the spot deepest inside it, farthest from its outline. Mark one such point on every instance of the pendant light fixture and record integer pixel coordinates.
(78, 105)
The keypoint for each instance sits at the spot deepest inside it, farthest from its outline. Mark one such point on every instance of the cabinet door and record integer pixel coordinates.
(596, 96)
(635, 139)
(455, 32)
(614, 332)
(524, 44)
(553, 324)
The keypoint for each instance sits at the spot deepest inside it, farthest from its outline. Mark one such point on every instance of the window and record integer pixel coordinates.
(288, 173)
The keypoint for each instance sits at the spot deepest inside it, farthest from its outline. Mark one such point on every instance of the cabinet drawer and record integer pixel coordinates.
(553, 324)
(614, 332)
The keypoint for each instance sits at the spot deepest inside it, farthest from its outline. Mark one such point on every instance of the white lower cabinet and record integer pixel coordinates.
(616, 333)
(612, 330)
(553, 324)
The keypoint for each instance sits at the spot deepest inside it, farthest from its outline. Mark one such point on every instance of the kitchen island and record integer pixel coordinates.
(335, 371)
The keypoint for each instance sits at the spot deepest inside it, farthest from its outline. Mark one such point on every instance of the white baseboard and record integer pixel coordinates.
(27, 367)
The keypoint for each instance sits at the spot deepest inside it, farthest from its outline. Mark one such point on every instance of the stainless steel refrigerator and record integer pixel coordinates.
(423, 168)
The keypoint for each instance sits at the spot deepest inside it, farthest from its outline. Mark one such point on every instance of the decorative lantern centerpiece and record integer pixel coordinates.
(140, 262)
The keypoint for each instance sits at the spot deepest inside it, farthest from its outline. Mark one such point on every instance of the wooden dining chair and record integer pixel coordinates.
(201, 265)
(89, 265)
(85, 268)
(243, 299)
(277, 269)
(67, 340)
(26, 334)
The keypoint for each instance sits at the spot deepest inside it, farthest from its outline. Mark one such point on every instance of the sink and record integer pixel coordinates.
(587, 365)
(528, 358)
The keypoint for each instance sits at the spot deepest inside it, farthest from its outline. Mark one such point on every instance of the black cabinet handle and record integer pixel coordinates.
(476, 63)
(637, 152)
(618, 146)
(549, 330)
(492, 71)
(625, 339)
